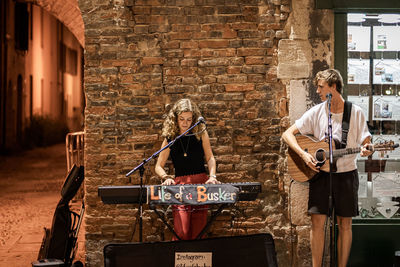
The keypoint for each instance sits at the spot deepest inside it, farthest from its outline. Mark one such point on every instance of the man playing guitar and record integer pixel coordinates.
(345, 180)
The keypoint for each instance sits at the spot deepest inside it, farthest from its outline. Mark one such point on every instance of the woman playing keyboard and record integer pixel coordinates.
(188, 155)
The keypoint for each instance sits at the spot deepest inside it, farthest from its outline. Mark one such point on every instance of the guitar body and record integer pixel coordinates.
(298, 170)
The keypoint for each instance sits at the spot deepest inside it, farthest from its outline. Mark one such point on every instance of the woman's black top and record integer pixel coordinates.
(193, 162)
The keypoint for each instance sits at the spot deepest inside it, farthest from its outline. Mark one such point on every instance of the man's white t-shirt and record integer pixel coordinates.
(315, 122)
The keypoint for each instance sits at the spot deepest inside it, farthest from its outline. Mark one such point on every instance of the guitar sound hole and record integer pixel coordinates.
(320, 155)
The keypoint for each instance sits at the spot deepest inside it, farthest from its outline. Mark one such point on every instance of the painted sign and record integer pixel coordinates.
(192, 194)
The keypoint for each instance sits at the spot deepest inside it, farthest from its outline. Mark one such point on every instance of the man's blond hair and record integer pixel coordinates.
(330, 76)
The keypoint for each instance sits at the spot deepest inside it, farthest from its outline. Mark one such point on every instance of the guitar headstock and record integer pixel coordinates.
(385, 146)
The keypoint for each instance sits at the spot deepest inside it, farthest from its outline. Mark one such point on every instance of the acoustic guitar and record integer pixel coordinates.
(300, 172)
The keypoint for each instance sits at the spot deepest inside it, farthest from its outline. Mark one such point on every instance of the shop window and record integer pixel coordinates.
(373, 83)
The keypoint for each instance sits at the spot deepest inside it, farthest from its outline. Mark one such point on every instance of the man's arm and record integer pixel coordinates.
(290, 139)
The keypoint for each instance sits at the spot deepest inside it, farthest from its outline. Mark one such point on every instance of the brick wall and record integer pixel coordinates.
(143, 55)
(68, 12)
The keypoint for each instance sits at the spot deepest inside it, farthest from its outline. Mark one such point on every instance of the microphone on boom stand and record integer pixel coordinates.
(329, 97)
(201, 120)
(331, 212)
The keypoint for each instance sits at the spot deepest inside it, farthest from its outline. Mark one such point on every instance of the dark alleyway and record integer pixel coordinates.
(30, 186)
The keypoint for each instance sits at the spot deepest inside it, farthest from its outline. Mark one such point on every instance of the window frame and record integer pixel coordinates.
(341, 9)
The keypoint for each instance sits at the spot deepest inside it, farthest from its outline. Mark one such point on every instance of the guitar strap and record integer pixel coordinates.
(345, 123)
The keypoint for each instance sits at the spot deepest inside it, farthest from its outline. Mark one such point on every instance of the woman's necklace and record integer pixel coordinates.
(187, 147)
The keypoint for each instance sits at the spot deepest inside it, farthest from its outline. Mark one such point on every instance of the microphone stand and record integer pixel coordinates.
(331, 211)
(141, 169)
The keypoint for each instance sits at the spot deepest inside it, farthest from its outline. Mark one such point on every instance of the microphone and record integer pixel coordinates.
(201, 120)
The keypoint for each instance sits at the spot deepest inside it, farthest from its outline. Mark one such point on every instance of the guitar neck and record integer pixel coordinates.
(344, 151)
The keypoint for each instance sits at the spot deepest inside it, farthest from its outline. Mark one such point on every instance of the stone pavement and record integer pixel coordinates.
(30, 185)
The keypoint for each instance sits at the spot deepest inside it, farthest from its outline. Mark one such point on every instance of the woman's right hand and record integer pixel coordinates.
(169, 180)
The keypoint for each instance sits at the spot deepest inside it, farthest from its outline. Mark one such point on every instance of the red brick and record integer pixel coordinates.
(148, 2)
(141, 10)
(189, 62)
(121, 63)
(229, 52)
(152, 60)
(207, 53)
(229, 33)
(126, 78)
(243, 26)
(251, 52)
(213, 44)
(239, 87)
(180, 35)
(184, 28)
(189, 44)
(171, 44)
(192, 53)
(199, 35)
(255, 60)
(234, 69)
(180, 71)
(255, 95)
(283, 107)
(158, 19)
(134, 86)
(143, 138)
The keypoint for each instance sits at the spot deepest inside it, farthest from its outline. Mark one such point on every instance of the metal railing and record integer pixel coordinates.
(74, 145)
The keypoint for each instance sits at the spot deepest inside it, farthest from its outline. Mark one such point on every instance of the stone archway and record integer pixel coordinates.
(68, 12)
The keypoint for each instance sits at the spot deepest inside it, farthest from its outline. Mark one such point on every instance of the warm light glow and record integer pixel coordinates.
(389, 91)
(37, 63)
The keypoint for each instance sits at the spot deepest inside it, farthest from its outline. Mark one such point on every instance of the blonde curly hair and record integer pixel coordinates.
(171, 128)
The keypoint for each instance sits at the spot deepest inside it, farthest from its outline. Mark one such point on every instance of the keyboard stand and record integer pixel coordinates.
(162, 217)
(212, 218)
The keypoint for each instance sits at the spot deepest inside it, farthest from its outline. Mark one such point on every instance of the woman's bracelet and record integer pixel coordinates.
(213, 176)
(166, 176)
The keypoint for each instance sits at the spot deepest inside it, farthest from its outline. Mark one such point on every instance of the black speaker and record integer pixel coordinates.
(236, 251)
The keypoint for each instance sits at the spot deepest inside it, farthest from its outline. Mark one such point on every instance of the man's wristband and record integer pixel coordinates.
(213, 176)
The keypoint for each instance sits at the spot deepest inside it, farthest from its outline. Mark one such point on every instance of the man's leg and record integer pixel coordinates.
(317, 237)
(344, 240)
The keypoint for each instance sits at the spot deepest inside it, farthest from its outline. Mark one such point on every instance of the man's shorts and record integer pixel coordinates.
(344, 192)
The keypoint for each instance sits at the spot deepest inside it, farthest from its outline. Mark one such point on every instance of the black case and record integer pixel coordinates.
(59, 242)
(236, 251)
